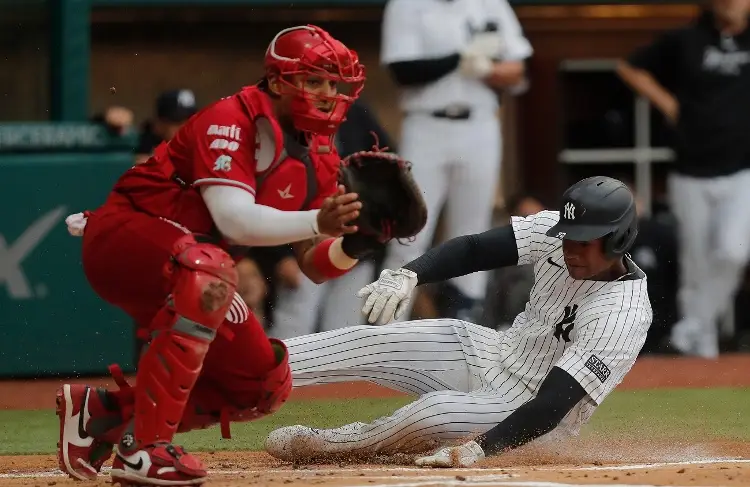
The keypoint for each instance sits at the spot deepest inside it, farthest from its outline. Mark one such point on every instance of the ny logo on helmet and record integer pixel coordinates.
(570, 211)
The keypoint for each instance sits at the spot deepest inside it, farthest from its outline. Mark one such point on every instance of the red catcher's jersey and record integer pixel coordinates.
(236, 141)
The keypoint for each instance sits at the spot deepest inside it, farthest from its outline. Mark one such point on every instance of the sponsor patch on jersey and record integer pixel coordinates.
(223, 163)
(598, 368)
(227, 131)
(222, 144)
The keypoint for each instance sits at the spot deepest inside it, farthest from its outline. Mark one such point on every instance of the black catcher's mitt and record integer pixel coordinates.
(392, 204)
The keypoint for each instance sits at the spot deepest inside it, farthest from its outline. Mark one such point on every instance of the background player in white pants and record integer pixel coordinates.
(298, 310)
(451, 59)
(581, 332)
(698, 76)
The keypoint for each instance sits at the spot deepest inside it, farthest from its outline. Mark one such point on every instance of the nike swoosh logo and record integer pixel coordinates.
(81, 430)
(134, 466)
(554, 263)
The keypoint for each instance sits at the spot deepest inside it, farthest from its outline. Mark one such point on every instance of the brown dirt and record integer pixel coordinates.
(242, 469)
(597, 461)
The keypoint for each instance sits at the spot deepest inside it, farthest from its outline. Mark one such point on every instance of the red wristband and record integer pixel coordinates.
(322, 261)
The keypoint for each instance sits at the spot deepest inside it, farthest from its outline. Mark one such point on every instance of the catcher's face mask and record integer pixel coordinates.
(320, 76)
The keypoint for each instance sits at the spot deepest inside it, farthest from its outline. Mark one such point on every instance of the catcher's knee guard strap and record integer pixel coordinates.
(208, 406)
(204, 279)
(331, 260)
(277, 385)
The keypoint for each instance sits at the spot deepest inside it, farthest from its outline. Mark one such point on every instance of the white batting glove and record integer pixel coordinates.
(453, 456)
(389, 296)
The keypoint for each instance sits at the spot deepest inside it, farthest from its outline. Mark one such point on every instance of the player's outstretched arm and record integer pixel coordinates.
(558, 394)
(389, 296)
(459, 256)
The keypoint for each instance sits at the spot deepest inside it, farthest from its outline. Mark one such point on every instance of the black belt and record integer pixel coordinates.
(453, 113)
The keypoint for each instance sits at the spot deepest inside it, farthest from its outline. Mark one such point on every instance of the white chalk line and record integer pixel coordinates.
(712, 461)
(464, 483)
(473, 476)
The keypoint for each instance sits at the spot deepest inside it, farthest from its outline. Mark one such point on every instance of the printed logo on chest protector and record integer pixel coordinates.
(566, 324)
(286, 193)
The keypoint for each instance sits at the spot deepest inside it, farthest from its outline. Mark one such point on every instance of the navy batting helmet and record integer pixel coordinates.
(598, 207)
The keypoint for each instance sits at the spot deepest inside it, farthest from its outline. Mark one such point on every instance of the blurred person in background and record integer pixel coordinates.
(118, 120)
(655, 251)
(698, 76)
(157, 248)
(252, 286)
(451, 61)
(173, 109)
(510, 287)
(301, 306)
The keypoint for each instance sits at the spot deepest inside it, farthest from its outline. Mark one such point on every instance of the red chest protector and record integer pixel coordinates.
(289, 176)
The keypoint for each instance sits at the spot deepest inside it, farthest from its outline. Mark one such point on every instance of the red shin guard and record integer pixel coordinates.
(204, 280)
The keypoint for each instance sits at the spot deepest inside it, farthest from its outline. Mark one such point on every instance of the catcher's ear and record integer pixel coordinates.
(274, 85)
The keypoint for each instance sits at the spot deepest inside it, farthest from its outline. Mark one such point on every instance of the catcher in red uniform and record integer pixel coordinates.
(258, 168)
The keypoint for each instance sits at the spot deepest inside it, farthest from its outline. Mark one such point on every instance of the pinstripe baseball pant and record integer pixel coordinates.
(453, 366)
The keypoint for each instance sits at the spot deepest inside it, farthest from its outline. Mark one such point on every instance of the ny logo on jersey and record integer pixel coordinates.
(570, 211)
(568, 318)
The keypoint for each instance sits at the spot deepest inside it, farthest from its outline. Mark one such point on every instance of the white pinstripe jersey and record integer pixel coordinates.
(593, 330)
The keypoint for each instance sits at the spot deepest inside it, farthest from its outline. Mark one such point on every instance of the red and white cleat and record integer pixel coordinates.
(80, 455)
(161, 464)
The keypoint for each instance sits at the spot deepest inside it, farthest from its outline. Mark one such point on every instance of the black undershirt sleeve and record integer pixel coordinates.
(419, 72)
(557, 395)
(459, 256)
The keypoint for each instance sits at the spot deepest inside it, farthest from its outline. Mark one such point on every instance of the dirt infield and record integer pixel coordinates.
(601, 461)
(662, 466)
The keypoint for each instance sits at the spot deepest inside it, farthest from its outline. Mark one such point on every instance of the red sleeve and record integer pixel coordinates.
(224, 147)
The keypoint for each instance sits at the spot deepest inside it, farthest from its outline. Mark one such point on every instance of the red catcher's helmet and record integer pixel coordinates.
(308, 50)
